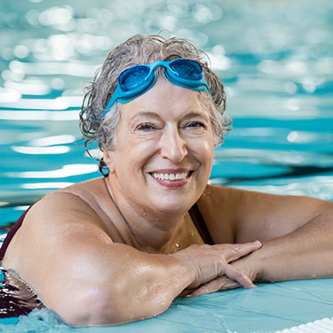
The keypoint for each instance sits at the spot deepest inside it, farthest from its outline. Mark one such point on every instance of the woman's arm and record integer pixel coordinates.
(296, 232)
(305, 253)
(64, 254)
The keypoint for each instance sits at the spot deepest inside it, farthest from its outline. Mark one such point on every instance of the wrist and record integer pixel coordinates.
(251, 265)
(256, 263)
(185, 267)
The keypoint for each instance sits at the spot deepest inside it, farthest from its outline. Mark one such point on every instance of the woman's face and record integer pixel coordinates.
(163, 150)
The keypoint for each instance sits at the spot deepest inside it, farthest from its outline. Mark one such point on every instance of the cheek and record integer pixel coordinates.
(208, 157)
(131, 159)
(203, 153)
(205, 149)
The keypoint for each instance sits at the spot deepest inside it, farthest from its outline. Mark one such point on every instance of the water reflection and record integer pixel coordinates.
(47, 185)
(41, 150)
(7, 114)
(50, 68)
(274, 57)
(66, 171)
(274, 157)
(318, 187)
(60, 17)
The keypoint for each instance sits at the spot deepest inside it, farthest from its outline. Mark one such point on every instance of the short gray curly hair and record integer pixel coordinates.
(141, 49)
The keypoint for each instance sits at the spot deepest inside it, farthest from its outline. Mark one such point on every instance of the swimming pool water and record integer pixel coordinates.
(274, 57)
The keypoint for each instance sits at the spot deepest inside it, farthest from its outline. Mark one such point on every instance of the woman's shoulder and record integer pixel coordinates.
(215, 206)
(73, 202)
(220, 194)
(230, 195)
(90, 193)
(54, 218)
(64, 204)
(224, 209)
(84, 189)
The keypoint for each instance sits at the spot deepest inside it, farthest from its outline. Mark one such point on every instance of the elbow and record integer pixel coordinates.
(106, 307)
(91, 307)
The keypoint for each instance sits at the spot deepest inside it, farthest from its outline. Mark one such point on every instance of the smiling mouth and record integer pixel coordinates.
(171, 176)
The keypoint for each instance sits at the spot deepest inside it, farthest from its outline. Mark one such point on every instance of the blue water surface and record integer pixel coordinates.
(275, 58)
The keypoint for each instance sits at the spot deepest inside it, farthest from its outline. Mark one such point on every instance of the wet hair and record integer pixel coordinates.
(141, 49)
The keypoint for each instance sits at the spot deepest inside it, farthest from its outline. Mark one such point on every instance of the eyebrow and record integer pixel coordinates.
(198, 114)
(146, 114)
(156, 115)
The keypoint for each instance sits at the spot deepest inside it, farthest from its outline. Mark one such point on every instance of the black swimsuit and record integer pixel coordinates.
(200, 224)
(16, 297)
(17, 225)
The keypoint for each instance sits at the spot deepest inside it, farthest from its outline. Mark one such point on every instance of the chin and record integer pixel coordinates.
(173, 205)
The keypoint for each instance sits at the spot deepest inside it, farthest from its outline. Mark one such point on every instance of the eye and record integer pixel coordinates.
(145, 127)
(196, 124)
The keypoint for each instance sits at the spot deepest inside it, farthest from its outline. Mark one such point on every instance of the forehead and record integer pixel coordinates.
(165, 98)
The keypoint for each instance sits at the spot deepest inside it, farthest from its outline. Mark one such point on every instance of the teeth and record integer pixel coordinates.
(170, 176)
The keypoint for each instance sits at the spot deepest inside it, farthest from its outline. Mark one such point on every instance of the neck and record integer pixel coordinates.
(149, 231)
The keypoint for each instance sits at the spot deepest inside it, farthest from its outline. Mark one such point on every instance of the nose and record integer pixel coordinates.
(173, 145)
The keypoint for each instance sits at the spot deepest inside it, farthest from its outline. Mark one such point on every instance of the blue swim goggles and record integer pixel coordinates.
(138, 79)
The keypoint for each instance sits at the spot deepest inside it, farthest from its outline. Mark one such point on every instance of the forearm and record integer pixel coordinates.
(130, 285)
(305, 253)
(148, 285)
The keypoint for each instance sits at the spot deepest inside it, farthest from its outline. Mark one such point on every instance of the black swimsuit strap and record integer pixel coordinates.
(200, 224)
(11, 233)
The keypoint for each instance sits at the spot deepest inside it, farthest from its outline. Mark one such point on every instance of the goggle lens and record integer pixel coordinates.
(187, 69)
(133, 77)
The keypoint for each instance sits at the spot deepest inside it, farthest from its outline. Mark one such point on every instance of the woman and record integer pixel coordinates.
(120, 248)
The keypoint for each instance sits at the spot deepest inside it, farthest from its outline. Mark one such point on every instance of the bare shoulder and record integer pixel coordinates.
(69, 206)
(249, 215)
(53, 217)
(58, 220)
(219, 192)
(216, 209)
(62, 244)
(62, 207)
(222, 208)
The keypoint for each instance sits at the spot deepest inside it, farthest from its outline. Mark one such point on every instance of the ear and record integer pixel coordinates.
(109, 160)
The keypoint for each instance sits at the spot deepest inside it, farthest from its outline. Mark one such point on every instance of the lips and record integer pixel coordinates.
(171, 178)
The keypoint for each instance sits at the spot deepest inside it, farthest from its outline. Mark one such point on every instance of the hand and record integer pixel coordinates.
(246, 265)
(211, 266)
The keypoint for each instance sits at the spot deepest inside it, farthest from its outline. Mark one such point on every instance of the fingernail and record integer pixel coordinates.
(258, 243)
(252, 286)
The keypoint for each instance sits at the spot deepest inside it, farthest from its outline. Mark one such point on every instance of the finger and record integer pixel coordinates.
(236, 275)
(221, 283)
(186, 292)
(236, 251)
